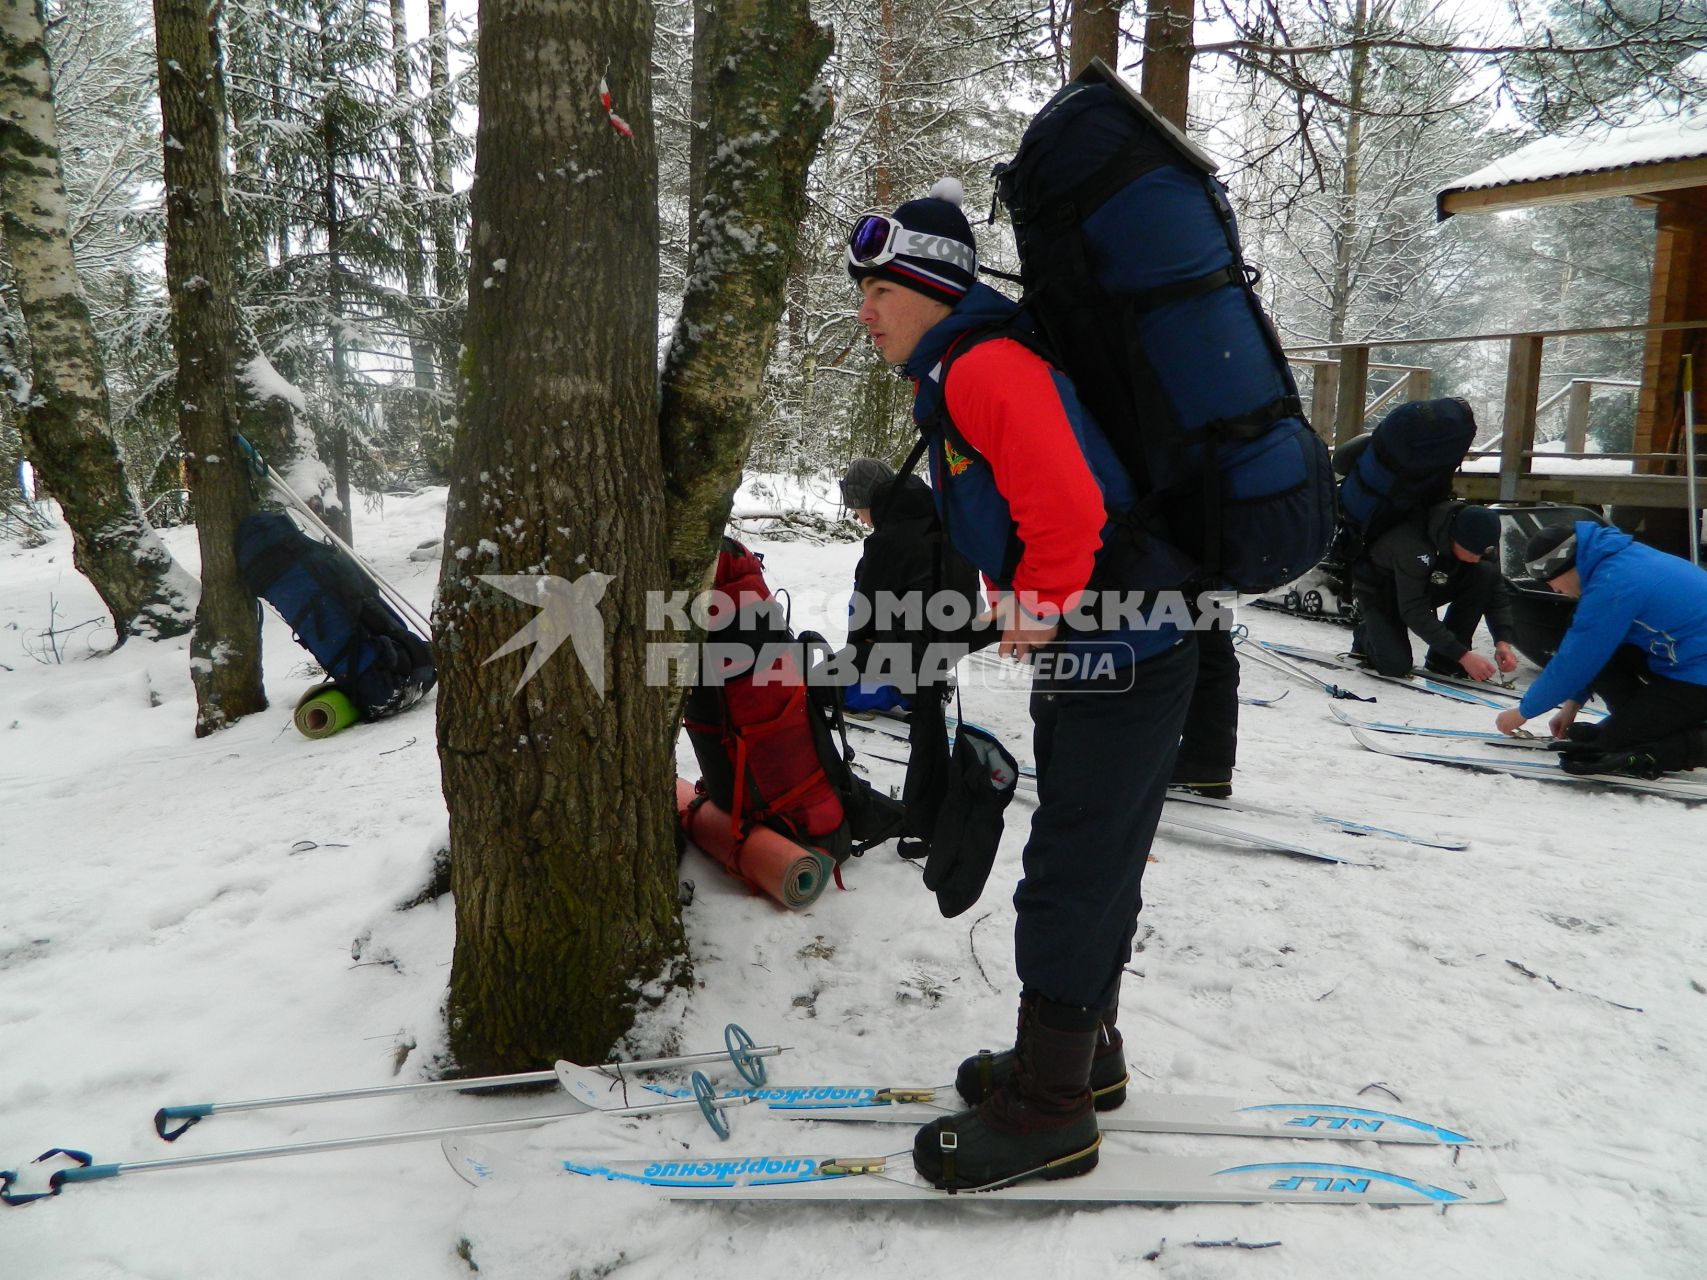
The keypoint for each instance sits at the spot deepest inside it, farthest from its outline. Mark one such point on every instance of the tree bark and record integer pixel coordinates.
(225, 652)
(768, 117)
(66, 424)
(562, 824)
(1095, 33)
(1166, 83)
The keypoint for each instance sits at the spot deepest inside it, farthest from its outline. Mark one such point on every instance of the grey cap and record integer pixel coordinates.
(861, 481)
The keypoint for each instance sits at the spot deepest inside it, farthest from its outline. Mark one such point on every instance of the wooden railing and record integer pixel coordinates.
(1341, 408)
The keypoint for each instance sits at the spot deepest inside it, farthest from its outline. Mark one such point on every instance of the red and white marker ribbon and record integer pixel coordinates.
(616, 121)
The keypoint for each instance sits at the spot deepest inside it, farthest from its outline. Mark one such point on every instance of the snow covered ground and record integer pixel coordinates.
(188, 921)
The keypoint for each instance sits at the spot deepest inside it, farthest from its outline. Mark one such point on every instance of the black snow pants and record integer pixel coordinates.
(1104, 756)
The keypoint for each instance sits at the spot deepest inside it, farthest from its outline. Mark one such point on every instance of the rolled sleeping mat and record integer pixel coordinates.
(323, 711)
(769, 861)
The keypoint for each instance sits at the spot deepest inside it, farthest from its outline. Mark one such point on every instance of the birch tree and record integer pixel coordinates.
(65, 415)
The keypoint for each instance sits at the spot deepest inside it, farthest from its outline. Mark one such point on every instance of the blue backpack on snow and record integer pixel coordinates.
(337, 614)
(1134, 279)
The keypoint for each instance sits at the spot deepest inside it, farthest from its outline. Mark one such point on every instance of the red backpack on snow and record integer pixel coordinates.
(766, 741)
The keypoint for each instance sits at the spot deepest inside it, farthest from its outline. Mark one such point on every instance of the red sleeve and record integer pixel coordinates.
(1002, 398)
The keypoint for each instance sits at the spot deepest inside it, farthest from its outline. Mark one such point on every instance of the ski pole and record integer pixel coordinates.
(1689, 459)
(1280, 663)
(86, 1170)
(747, 1058)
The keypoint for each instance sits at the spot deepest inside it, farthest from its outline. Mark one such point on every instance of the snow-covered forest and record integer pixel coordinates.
(558, 290)
(350, 149)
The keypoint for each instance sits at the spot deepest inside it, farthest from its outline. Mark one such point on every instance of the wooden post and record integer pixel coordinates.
(1576, 416)
(1417, 384)
(1679, 292)
(1353, 385)
(1324, 398)
(1517, 434)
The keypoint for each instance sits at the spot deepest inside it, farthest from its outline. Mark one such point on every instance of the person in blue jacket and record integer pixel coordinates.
(1638, 640)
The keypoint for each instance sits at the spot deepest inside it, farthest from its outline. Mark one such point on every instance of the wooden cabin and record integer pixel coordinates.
(1658, 160)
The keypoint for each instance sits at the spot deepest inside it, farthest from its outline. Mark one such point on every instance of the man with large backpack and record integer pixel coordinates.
(1029, 491)
(1446, 555)
(1638, 639)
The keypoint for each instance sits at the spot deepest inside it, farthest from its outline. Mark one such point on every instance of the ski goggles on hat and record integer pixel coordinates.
(877, 240)
(1561, 559)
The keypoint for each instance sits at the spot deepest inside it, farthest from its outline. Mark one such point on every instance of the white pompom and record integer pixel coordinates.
(949, 189)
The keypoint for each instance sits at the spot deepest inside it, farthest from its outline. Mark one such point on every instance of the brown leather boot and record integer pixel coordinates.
(1040, 1122)
(986, 1071)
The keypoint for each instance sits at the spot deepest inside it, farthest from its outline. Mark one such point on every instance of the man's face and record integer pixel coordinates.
(1466, 555)
(896, 317)
(1567, 584)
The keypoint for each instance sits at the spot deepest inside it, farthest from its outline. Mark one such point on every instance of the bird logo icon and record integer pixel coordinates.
(567, 611)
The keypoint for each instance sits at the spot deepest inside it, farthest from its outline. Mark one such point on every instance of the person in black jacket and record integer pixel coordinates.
(1446, 555)
(899, 566)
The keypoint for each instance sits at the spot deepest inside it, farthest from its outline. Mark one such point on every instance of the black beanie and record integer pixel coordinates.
(1546, 557)
(944, 264)
(1476, 529)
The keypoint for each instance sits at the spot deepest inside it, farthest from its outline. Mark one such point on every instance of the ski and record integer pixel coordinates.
(1492, 737)
(1027, 784)
(1118, 1178)
(1546, 771)
(1251, 700)
(1348, 825)
(1477, 692)
(1141, 1113)
(1288, 667)
(1180, 822)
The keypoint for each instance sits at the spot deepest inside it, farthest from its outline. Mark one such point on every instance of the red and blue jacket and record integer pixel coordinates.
(1025, 481)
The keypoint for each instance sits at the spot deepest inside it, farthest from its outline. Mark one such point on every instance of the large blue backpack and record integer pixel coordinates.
(335, 613)
(1134, 278)
(1406, 464)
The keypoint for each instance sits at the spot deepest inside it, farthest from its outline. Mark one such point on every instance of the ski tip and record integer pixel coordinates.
(587, 1089)
(470, 1161)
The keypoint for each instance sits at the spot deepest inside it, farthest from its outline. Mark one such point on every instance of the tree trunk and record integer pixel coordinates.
(66, 425)
(423, 405)
(562, 825)
(768, 117)
(1095, 33)
(449, 279)
(1167, 58)
(699, 127)
(225, 653)
(1345, 221)
(341, 520)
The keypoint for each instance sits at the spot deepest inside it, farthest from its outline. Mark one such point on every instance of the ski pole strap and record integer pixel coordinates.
(87, 1171)
(190, 1115)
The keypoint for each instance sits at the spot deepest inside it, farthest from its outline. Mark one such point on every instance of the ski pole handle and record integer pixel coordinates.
(87, 1171)
(189, 1115)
